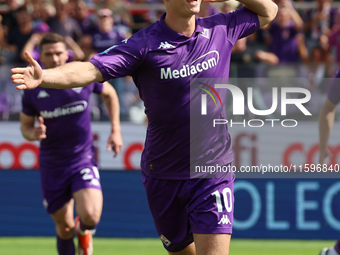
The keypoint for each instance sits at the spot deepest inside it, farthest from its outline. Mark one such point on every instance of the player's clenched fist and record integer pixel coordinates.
(40, 130)
(28, 77)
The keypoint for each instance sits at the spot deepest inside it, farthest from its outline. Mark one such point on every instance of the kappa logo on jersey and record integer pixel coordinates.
(43, 94)
(165, 45)
(165, 240)
(125, 40)
(205, 33)
(225, 220)
(201, 64)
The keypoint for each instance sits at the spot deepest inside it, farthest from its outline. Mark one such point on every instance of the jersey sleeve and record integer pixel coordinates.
(98, 87)
(26, 105)
(334, 89)
(121, 59)
(239, 23)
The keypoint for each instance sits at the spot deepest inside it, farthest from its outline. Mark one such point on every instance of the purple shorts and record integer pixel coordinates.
(58, 186)
(183, 207)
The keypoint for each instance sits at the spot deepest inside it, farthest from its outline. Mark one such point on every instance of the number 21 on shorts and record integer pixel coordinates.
(87, 173)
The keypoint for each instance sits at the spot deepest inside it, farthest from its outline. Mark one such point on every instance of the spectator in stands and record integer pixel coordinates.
(34, 6)
(84, 18)
(88, 24)
(62, 23)
(318, 24)
(32, 45)
(9, 18)
(47, 11)
(243, 57)
(334, 38)
(75, 53)
(2, 39)
(319, 67)
(121, 14)
(106, 34)
(286, 40)
(18, 36)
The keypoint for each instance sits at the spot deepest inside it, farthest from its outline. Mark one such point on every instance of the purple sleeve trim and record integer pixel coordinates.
(101, 68)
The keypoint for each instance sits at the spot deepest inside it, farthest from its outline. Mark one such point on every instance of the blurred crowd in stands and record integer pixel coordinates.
(303, 41)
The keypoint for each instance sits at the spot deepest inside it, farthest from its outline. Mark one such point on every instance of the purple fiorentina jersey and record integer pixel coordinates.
(162, 62)
(67, 117)
(334, 89)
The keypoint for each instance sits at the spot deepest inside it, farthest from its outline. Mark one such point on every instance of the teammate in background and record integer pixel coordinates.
(68, 170)
(189, 215)
(326, 122)
(326, 118)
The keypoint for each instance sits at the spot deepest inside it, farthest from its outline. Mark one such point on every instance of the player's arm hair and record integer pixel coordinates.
(27, 126)
(266, 10)
(110, 99)
(71, 75)
(326, 123)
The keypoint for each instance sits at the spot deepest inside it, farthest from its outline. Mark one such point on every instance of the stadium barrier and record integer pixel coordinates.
(264, 208)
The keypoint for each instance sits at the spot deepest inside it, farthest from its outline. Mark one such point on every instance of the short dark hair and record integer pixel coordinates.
(52, 38)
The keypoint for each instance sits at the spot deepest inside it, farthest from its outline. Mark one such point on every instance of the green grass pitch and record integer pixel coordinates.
(121, 246)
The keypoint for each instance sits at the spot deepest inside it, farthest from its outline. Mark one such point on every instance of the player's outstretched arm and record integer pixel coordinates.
(27, 77)
(110, 99)
(266, 10)
(70, 75)
(326, 122)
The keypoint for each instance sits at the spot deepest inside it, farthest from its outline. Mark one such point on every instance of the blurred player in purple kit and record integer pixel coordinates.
(191, 215)
(326, 122)
(327, 115)
(68, 170)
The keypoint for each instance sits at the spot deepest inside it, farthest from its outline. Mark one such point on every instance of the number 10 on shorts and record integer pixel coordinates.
(227, 199)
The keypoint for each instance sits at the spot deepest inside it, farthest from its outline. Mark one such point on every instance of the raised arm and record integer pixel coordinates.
(266, 10)
(79, 54)
(110, 99)
(70, 75)
(30, 44)
(326, 122)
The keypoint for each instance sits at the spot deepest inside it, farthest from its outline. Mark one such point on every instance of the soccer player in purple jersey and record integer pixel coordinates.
(68, 170)
(326, 122)
(191, 215)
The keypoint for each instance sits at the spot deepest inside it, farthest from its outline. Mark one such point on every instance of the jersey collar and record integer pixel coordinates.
(173, 35)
